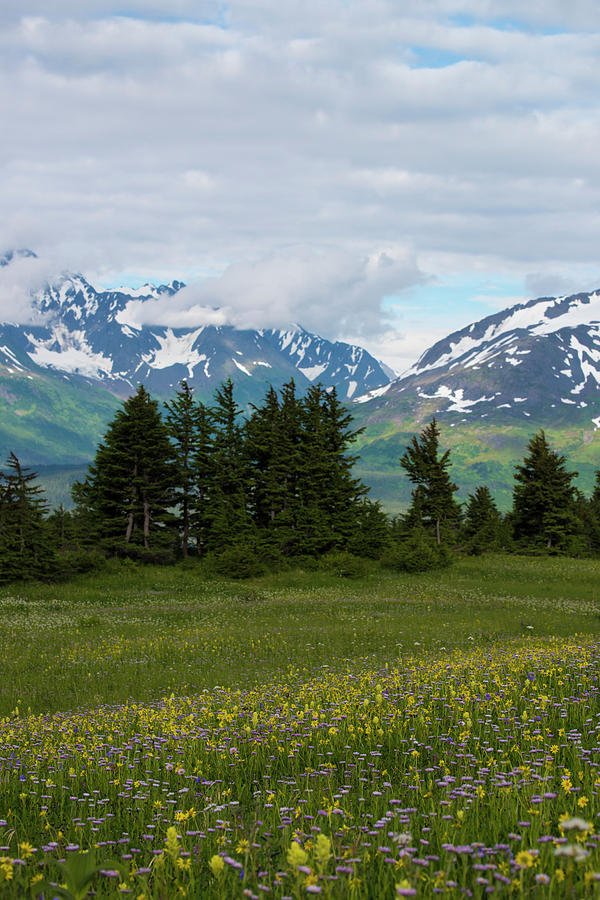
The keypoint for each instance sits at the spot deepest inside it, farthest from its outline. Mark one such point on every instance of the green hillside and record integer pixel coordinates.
(54, 422)
(48, 419)
(480, 454)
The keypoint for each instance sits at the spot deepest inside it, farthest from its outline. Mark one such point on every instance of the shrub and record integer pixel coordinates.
(72, 562)
(239, 561)
(344, 564)
(416, 553)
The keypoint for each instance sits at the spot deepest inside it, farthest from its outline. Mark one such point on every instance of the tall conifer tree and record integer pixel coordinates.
(273, 436)
(481, 521)
(433, 503)
(203, 474)
(25, 550)
(229, 522)
(184, 420)
(543, 495)
(129, 488)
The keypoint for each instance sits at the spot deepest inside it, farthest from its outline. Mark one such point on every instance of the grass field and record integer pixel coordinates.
(303, 734)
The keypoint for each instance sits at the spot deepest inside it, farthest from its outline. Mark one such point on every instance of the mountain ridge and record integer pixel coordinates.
(524, 361)
(63, 374)
(83, 331)
(490, 385)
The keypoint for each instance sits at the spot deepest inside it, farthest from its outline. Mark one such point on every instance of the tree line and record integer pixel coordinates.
(274, 486)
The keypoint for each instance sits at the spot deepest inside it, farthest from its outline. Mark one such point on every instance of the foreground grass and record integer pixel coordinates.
(305, 733)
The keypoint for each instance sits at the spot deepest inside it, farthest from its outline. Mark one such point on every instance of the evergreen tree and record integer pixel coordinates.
(25, 549)
(314, 532)
(262, 436)
(592, 517)
(129, 488)
(329, 496)
(184, 418)
(272, 442)
(62, 529)
(543, 513)
(433, 504)
(481, 522)
(228, 518)
(371, 532)
(202, 471)
(288, 469)
(345, 494)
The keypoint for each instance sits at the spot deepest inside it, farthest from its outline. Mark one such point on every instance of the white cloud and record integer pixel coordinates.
(556, 284)
(327, 290)
(224, 134)
(18, 281)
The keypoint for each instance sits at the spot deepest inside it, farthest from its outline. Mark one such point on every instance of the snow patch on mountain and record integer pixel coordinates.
(372, 395)
(13, 359)
(313, 372)
(175, 350)
(241, 367)
(69, 351)
(458, 402)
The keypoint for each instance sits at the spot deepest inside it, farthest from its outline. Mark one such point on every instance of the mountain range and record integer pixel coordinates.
(63, 375)
(490, 385)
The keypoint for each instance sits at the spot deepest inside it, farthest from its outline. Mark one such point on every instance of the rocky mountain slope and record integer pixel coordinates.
(491, 385)
(62, 377)
(90, 333)
(538, 360)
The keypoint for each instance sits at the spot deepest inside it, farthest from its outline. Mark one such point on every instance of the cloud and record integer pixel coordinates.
(557, 284)
(19, 280)
(330, 291)
(224, 133)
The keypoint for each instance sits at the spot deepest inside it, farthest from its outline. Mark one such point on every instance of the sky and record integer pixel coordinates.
(377, 171)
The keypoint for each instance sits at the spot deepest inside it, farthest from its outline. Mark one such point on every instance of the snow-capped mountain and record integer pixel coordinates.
(538, 360)
(85, 332)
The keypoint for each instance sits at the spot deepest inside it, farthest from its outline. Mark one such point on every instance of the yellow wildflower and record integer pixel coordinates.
(172, 843)
(323, 850)
(296, 856)
(216, 865)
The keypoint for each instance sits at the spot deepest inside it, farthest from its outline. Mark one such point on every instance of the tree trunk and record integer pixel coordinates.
(130, 517)
(437, 532)
(146, 523)
(186, 528)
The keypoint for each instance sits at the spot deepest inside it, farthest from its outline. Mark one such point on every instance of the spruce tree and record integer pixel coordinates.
(203, 475)
(592, 517)
(433, 505)
(543, 496)
(345, 493)
(262, 436)
(481, 522)
(314, 523)
(129, 488)
(184, 422)
(371, 532)
(25, 548)
(329, 496)
(288, 469)
(228, 519)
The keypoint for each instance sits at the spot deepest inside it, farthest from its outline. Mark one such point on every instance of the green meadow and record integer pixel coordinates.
(163, 734)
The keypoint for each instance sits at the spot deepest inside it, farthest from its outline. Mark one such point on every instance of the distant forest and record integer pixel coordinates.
(244, 494)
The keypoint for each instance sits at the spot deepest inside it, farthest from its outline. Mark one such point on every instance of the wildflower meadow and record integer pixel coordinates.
(164, 735)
